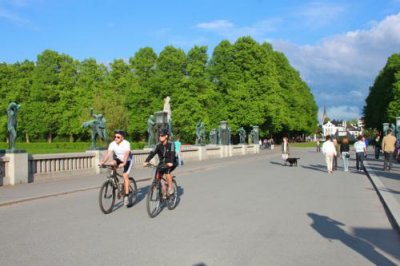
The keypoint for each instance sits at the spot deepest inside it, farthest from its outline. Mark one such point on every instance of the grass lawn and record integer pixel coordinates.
(59, 147)
(303, 144)
(44, 147)
(65, 147)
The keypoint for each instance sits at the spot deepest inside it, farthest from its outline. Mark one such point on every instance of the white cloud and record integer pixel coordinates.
(12, 17)
(346, 64)
(318, 14)
(215, 25)
(229, 30)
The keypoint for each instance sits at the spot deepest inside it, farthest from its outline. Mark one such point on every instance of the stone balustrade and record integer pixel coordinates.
(16, 168)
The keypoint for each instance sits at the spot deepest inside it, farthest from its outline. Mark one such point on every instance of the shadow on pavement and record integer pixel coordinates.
(277, 163)
(330, 229)
(316, 167)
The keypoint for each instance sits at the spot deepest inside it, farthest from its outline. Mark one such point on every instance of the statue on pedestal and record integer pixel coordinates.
(98, 126)
(213, 136)
(12, 124)
(150, 131)
(200, 132)
(242, 135)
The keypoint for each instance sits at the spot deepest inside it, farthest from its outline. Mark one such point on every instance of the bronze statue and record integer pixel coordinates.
(98, 125)
(12, 124)
(213, 138)
(242, 135)
(150, 131)
(200, 132)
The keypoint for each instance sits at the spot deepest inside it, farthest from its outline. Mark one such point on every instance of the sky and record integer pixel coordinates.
(338, 47)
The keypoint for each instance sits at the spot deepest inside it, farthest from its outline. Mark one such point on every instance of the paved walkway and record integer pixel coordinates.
(234, 211)
(387, 184)
(60, 186)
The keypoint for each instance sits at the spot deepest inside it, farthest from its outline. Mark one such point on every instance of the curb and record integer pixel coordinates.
(391, 205)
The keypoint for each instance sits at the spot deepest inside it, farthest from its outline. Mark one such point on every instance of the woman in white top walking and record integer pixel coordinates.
(329, 150)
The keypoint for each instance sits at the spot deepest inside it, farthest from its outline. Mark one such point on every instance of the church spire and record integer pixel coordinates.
(324, 115)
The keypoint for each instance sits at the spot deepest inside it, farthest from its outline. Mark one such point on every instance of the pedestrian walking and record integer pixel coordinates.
(318, 145)
(178, 145)
(335, 158)
(388, 147)
(361, 151)
(329, 150)
(285, 149)
(345, 152)
(377, 144)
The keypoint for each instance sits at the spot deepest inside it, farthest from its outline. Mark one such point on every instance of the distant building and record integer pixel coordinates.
(340, 129)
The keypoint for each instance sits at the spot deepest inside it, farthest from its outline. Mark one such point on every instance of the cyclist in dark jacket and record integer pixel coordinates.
(166, 155)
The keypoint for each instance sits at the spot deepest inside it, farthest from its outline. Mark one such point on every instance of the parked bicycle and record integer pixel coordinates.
(157, 195)
(112, 188)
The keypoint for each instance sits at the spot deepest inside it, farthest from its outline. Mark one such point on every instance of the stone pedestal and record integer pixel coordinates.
(202, 150)
(18, 167)
(99, 154)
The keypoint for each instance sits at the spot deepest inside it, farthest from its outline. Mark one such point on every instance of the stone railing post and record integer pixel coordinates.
(230, 150)
(99, 154)
(243, 147)
(18, 167)
(202, 153)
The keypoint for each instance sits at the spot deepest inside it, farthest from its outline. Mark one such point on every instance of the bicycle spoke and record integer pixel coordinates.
(153, 200)
(107, 197)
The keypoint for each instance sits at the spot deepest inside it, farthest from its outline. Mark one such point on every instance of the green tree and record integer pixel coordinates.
(382, 102)
(142, 101)
(54, 78)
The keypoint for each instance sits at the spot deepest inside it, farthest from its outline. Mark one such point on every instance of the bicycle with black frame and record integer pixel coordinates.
(158, 195)
(112, 188)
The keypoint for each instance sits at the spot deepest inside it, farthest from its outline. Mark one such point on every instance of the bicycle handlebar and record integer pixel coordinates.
(106, 165)
(159, 166)
(150, 165)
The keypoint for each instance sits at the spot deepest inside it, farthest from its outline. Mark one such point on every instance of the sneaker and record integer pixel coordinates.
(126, 201)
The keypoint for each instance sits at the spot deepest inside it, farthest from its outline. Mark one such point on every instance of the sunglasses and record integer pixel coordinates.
(117, 137)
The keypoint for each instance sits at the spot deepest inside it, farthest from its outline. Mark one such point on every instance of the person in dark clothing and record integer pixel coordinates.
(166, 155)
(377, 142)
(345, 152)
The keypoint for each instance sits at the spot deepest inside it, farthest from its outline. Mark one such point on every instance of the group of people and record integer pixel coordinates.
(332, 150)
(120, 152)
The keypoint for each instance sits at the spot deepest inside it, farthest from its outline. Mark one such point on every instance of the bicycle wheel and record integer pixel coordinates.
(107, 197)
(172, 199)
(153, 200)
(133, 192)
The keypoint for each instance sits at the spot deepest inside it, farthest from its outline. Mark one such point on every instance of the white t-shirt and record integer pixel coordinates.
(359, 146)
(119, 150)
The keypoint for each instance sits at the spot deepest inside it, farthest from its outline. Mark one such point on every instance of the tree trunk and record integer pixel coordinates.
(50, 138)
(71, 138)
(27, 138)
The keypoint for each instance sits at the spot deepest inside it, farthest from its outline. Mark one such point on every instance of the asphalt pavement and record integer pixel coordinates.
(233, 211)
